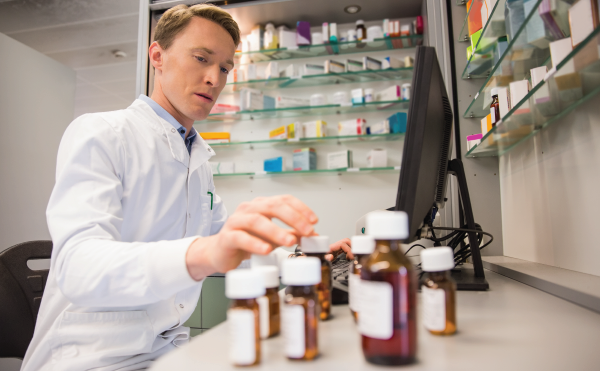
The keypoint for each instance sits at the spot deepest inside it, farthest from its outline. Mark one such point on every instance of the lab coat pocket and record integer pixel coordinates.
(99, 336)
(206, 205)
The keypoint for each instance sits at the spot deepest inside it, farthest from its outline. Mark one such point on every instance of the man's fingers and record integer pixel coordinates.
(242, 240)
(288, 209)
(343, 245)
(263, 228)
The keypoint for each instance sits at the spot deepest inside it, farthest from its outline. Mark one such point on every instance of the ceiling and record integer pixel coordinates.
(82, 34)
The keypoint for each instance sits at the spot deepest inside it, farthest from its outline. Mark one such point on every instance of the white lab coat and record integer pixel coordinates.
(127, 203)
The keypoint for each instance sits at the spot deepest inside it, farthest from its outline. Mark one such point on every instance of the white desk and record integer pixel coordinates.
(510, 327)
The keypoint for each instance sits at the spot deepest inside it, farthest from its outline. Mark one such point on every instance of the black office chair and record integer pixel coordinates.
(21, 292)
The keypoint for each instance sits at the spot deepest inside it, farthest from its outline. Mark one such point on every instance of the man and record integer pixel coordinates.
(134, 216)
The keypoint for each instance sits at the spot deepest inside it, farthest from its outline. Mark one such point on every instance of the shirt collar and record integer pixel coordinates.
(161, 112)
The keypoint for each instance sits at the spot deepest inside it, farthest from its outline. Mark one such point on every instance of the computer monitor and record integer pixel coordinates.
(426, 162)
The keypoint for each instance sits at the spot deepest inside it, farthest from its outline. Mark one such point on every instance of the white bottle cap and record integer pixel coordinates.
(270, 275)
(301, 271)
(437, 259)
(495, 91)
(257, 260)
(315, 245)
(387, 225)
(244, 284)
(363, 244)
(360, 21)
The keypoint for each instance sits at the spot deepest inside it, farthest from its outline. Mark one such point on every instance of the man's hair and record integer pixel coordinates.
(174, 20)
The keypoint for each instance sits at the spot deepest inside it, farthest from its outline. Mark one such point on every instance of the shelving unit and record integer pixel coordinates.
(356, 170)
(321, 79)
(526, 118)
(252, 144)
(341, 48)
(329, 109)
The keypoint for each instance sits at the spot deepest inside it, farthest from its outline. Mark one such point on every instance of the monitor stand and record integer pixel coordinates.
(468, 279)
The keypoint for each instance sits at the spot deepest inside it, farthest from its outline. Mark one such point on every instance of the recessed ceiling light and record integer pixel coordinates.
(352, 9)
(119, 54)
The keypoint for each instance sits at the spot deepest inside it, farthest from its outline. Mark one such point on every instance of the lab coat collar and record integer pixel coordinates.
(201, 151)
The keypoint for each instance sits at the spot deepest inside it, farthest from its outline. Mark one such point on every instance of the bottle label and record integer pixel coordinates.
(292, 326)
(353, 291)
(434, 309)
(493, 113)
(359, 34)
(263, 316)
(243, 338)
(376, 309)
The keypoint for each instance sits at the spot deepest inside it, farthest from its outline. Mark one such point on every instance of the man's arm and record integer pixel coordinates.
(91, 264)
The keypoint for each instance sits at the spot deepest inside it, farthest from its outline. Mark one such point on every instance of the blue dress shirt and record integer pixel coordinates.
(161, 112)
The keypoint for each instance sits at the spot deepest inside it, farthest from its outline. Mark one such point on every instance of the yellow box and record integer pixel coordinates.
(279, 133)
(216, 135)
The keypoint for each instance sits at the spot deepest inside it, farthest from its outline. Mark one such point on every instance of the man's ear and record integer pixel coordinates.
(156, 54)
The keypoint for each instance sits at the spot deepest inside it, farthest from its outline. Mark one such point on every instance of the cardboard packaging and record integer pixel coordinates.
(293, 71)
(295, 130)
(358, 96)
(568, 82)
(332, 66)
(397, 122)
(504, 101)
(287, 38)
(276, 164)
(377, 158)
(518, 91)
(272, 70)
(391, 93)
(216, 137)
(268, 102)
(542, 97)
(486, 124)
(391, 62)
(303, 33)
(474, 23)
(222, 108)
(537, 33)
(555, 14)
(288, 102)
(251, 99)
(339, 160)
(315, 129)
(352, 127)
(305, 159)
(514, 16)
(256, 38)
(279, 133)
(371, 64)
(353, 66)
(473, 140)
(583, 19)
(313, 69)
(382, 127)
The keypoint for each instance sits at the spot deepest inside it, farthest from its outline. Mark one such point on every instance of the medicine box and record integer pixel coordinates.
(216, 137)
(352, 127)
(222, 167)
(390, 93)
(279, 133)
(382, 127)
(288, 102)
(339, 160)
(276, 164)
(377, 158)
(313, 69)
(358, 96)
(391, 62)
(305, 159)
(332, 66)
(397, 122)
(222, 108)
(303, 33)
(268, 102)
(287, 38)
(518, 91)
(503, 101)
(353, 66)
(314, 129)
(583, 19)
(542, 99)
(474, 20)
(295, 130)
(473, 140)
(371, 64)
(486, 124)
(251, 99)
(272, 70)
(293, 70)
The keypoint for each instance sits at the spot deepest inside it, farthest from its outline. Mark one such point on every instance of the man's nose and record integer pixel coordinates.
(212, 76)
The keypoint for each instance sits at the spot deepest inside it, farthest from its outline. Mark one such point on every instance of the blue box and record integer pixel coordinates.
(305, 159)
(274, 164)
(268, 102)
(397, 122)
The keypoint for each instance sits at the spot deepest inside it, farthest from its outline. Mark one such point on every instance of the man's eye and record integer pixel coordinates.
(201, 59)
(224, 70)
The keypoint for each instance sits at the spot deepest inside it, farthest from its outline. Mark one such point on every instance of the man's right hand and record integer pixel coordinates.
(250, 230)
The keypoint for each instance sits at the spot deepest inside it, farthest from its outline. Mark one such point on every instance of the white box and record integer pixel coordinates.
(518, 91)
(391, 93)
(377, 158)
(331, 66)
(339, 160)
(313, 69)
(559, 50)
(581, 20)
(293, 70)
(503, 101)
(287, 38)
(249, 72)
(287, 102)
(568, 82)
(352, 127)
(251, 99)
(391, 62)
(382, 127)
(545, 101)
(272, 70)
(315, 129)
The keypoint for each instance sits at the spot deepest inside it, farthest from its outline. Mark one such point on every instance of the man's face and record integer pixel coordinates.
(194, 68)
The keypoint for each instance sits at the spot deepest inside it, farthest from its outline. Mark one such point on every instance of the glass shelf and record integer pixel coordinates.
(501, 65)
(321, 79)
(346, 47)
(576, 80)
(463, 36)
(356, 170)
(330, 109)
(285, 142)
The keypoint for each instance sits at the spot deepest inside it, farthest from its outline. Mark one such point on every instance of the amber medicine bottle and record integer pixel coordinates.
(438, 291)
(318, 247)
(300, 309)
(268, 305)
(387, 318)
(361, 31)
(243, 287)
(495, 107)
(362, 246)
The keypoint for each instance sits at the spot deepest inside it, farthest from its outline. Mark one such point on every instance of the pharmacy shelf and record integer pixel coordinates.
(321, 79)
(361, 170)
(254, 144)
(575, 80)
(514, 63)
(329, 109)
(341, 48)
(464, 31)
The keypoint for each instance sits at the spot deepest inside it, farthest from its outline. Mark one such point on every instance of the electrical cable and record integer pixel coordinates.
(414, 246)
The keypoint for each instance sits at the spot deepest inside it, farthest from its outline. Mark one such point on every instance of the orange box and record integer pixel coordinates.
(474, 22)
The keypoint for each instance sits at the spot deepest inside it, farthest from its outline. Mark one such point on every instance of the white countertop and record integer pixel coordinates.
(510, 327)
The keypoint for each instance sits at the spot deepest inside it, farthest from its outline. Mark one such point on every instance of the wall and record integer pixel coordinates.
(36, 105)
(549, 188)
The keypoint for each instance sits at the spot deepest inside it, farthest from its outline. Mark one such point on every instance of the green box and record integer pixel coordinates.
(214, 302)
